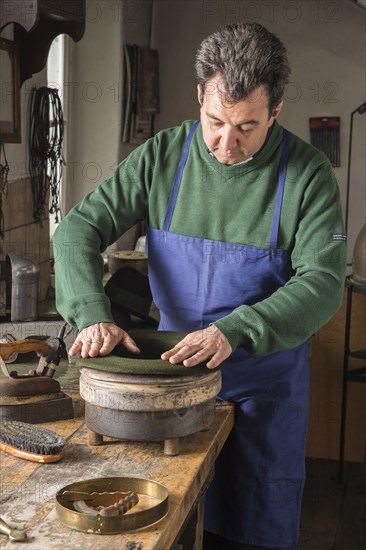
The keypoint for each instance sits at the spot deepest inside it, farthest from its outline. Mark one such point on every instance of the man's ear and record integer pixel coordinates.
(277, 110)
(199, 94)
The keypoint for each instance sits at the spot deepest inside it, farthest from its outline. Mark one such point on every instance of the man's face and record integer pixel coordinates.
(235, 131)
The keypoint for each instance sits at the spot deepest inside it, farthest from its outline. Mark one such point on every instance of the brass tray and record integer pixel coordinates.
(111, 525)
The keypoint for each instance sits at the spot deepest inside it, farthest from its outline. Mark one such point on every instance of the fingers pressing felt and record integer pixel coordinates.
(101, 339)
(129, 343)
(199, 346)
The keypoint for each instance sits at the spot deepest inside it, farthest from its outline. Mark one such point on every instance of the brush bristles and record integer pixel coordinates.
(31, 438)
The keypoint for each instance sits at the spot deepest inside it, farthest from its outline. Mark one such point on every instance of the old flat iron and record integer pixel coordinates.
(35, 397)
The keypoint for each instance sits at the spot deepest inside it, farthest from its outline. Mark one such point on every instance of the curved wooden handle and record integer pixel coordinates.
(24, 346)
(29, 455)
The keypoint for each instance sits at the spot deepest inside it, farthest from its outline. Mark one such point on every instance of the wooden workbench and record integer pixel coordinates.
(28, 489)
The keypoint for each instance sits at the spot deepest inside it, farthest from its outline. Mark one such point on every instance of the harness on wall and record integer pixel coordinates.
(4, 171)
(46, 131)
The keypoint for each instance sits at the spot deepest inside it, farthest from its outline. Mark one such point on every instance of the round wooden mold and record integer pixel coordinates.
(147, 406)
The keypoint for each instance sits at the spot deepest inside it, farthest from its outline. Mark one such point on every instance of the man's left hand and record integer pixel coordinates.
(199, 346)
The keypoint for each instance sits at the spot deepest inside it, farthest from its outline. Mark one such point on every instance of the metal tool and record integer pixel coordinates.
(21, 276)
(67, 497)
(107, 504)
(9, 349)
(50, 352)
(15, 535)
(28, 397)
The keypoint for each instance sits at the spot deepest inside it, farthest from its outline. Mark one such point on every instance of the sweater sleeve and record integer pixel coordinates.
(292, 314)
(99, 220)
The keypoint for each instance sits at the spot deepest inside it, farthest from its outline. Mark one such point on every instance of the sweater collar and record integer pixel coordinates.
(271, 143)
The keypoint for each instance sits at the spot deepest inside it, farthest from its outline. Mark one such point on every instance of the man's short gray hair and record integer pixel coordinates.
(245, 56)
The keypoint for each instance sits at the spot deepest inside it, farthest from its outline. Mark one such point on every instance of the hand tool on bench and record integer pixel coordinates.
(15, 535)
(34, 397)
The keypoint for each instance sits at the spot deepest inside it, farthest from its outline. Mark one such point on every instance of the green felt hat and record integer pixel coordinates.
(152, 344)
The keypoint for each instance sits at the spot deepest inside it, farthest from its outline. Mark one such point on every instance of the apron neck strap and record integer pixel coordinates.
(178, 178)
(280, 188)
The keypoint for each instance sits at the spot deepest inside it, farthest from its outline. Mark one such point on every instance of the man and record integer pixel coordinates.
(246, 254)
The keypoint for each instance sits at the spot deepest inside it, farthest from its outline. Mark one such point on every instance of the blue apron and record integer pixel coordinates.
(255, 497)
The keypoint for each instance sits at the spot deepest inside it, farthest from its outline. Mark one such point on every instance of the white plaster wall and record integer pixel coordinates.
(92, 106)
(95, 92)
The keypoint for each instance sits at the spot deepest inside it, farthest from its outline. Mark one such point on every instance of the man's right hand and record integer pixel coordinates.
(101, 339)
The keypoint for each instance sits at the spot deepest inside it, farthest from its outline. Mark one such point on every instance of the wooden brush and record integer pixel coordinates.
(30, 442)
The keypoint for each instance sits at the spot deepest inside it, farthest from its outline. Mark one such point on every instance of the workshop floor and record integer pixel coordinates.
(333, 512)
(334, 509)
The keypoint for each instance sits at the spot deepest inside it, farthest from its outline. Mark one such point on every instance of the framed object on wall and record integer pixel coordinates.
(9, 92)
(324, 134)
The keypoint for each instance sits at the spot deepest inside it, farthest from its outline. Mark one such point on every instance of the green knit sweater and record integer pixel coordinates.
(225, 203)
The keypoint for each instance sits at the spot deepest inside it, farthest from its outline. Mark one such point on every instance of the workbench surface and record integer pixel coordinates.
(28, 489)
